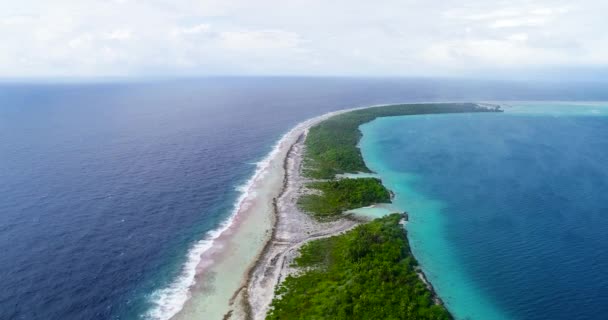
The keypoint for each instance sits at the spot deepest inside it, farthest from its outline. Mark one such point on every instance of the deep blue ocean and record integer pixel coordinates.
(509, 212)
(105, 186)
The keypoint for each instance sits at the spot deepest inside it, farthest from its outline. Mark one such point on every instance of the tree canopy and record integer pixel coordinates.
(366, 273)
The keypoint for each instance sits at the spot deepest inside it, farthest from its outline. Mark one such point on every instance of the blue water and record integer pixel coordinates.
(508, 211)
(106, 186)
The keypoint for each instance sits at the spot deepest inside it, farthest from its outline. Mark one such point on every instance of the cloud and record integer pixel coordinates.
(16, 20)
(262, 39)
(81, 41)
(192, 30)
(394, 37)
(119, 34)
(482, 15)
(550, 11)
(518, 37)
(519, 22)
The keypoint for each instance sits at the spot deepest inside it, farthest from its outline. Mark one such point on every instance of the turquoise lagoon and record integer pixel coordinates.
(507, 211)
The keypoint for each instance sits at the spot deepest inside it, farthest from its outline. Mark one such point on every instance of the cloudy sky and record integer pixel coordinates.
(298, 37)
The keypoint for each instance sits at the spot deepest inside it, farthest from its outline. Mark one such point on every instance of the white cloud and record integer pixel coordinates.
(550, 11)
(393, 37)
(120, 34)
(518, 37)
(519, 22)
(192, 30)
(16, 20)
(485, 15)
(85, 40)
(256, 40)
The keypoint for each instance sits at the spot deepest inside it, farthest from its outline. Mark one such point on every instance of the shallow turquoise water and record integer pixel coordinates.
(507, 211)
(375, 211)
(425, 228)
(557, 109)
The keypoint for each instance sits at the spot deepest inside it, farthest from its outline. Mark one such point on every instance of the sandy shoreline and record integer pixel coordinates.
(293, 228)
(215, 281)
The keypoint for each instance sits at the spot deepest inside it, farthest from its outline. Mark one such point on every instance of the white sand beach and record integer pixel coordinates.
(228, 274)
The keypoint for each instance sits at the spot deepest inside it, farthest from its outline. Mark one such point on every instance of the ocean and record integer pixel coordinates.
(106, 187)
(508, 212)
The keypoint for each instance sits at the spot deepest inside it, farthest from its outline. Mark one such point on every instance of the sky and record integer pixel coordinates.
(89, 38)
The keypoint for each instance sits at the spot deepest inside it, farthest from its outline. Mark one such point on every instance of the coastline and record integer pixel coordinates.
(233, 272)
(274, 264)
(442, 268)
(292, 229)
(219, 265)
(441, 223)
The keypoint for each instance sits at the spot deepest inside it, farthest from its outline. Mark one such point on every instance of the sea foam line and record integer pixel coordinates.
(168, 301)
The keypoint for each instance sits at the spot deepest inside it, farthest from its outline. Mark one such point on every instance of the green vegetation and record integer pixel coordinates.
(338, 196)
(331, 146)
(369, 272)
(366, 273)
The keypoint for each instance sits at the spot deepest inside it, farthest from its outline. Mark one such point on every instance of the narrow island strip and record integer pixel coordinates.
(321, 263)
